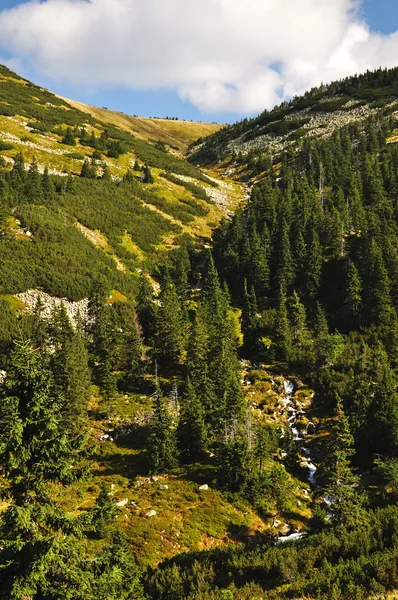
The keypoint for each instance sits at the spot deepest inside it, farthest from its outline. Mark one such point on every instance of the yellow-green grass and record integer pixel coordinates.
(116, 296)
(186, 518)
(14, 302)
(393, 137)
(176, 133)
(129, 245)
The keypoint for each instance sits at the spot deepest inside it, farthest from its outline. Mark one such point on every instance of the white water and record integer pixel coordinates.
(293, 415)
(292, 536)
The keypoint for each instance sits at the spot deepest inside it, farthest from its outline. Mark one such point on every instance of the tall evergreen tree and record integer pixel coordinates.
(170, 325)
(146, 307)
(192, 432)
(162, 440)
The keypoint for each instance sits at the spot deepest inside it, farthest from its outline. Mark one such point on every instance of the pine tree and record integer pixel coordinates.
(69, 137)
(250, 321)
(104, 511)
(89, 170)
(115, 572)
(106, 174)
(353, 289)
(162, 440)
(34, 189)
(283, 337)
(342, 484)
(192, 432)
(147, 175)
(169, 324)
(146, 307)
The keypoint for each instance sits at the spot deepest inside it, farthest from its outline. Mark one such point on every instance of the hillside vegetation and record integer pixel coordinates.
(199, 418)
(178, 134)
(241, 150)
(102, 182)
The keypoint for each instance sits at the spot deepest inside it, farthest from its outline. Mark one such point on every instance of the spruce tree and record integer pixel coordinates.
(35, 453)
(147, 175)
(104, 511)
(134, 352)
(353, 289)
(313, 268)
(170, 325)
(47, 184)
(146, 307)
(192, 434)
(342, 484)
(197, 352)
(250, 321)
(77, 381)
(283, 338)
(284, 261)
(162, 440)
(34, 189)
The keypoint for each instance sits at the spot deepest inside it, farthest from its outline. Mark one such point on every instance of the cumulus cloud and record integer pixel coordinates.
(221, 55)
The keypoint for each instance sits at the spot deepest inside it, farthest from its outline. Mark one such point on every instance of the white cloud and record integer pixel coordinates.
(218, 54)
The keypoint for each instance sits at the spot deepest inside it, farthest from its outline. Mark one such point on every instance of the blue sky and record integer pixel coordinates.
(231, 87)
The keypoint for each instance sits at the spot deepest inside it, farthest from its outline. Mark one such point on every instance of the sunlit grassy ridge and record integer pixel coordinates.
(126, 226)
(174, 132)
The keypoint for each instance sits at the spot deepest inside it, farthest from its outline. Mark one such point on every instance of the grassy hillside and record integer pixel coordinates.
(116, 226)
(176, 133)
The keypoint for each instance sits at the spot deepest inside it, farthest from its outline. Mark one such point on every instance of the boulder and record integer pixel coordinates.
(122, 503)
(286, 529)
(277, 523)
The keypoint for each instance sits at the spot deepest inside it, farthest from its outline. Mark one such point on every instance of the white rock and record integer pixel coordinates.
(277, 523)
(122, 502)
(204, 487)
(163, 487)
(151, 513)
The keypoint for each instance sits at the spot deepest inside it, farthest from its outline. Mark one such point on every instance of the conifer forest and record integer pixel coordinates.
(202, 414)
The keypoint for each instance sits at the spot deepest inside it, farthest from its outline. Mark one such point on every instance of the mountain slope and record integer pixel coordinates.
(124, 224)
(243, 148)
(170, 131)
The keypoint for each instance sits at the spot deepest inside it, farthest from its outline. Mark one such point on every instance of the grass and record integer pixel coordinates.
(14, 302)
(186, 518)
(176, 133)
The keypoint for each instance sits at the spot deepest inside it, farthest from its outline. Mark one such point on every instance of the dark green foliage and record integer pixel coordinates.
(340, 563)
(162, 440)
(104, 512)
(170, 324)
(147, 175)
(34, 443)
(192, 432)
